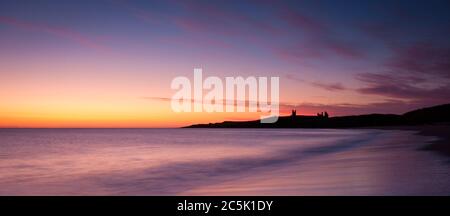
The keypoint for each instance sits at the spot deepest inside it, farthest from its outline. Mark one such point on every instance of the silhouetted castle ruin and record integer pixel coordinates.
(322, 114)
(319, 115)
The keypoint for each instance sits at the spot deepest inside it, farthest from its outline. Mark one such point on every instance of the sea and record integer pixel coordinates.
(220, 162)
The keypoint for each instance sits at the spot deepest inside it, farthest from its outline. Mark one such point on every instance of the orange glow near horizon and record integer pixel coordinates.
(114, 119)
(48, 95)
(64, 66)
(76, 93)
(73, 99)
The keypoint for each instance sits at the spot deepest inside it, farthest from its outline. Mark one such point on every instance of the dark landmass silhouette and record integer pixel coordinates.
(435, 114)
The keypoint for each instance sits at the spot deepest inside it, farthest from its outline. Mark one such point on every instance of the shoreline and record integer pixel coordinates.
(442, 144)
(440, 131)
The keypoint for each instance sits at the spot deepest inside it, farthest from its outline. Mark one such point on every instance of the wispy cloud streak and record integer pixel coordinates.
(61, 32)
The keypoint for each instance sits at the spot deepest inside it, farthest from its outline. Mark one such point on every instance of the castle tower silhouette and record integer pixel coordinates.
(294, 113)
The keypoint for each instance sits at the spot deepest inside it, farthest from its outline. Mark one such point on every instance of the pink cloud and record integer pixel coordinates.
(194, 42)
(56, 31)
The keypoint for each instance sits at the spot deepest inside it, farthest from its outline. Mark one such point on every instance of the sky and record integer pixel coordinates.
(110, 63)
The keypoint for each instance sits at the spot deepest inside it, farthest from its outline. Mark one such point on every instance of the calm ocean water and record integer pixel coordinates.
(219, 162)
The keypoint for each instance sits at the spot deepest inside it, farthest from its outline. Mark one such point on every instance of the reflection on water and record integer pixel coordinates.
(219, 162)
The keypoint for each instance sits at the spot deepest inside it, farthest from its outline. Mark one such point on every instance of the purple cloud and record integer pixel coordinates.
(319, 84)
(319, 38)
(330, 86)
(422, 59)
(418, 71)
(403, 87)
